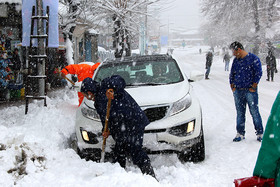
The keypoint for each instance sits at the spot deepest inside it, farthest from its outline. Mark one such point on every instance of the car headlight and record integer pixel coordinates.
(88, 136)
(90, 113)
(181, 105)
(183, 130)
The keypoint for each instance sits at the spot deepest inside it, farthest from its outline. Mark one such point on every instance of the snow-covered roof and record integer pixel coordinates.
(101, 49)
(11, 1)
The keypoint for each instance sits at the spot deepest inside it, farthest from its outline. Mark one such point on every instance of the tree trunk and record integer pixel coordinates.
(116, 37)
(127, 49)
(257, 27)
(270, 12)
(121, 40)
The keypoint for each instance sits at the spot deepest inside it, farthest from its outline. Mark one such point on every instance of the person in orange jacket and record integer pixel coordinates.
(82, 71)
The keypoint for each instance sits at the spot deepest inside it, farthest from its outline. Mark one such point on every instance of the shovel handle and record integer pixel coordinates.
(70, 81)
(109, 94)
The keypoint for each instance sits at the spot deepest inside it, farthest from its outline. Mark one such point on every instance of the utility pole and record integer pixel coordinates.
(142, 39)
(168, 32)
(146, 29)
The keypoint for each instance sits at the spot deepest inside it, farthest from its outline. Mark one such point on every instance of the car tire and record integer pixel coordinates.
(196, 153)
(90, 154)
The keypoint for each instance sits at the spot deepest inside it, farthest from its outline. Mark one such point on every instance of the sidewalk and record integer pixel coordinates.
(21, 101)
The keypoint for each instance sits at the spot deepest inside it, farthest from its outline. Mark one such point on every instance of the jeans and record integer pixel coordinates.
(241, 98)
(207, 71)
(227, 66)
(270, 73)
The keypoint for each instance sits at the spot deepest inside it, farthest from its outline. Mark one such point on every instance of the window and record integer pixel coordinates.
(142, 73)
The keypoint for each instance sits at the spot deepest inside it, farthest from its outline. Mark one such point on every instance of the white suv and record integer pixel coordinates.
(163, 91)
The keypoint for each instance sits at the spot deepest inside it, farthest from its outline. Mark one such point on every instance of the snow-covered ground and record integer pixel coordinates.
(34, 148)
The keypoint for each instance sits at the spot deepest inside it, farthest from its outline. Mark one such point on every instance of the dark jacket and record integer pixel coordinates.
(245, 71)
(226, 57)
(16, 62)
(271, 62)
(209, 60)
(126, 117)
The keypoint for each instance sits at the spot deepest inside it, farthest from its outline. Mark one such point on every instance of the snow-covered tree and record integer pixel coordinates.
(244, 20)
(125, 17)
(68, 12)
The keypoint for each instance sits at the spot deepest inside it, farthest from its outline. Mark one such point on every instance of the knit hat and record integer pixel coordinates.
(89, 85)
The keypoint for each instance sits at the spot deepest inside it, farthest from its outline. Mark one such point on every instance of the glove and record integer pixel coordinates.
(63, 75)
(110, 94)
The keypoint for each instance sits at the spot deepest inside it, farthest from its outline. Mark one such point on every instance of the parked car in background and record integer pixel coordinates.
(163, 91)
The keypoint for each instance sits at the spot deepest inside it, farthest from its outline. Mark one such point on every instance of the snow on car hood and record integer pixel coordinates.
(155, 95)
(163, 94)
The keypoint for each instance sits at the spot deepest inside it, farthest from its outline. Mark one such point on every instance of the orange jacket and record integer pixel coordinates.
(81, 70)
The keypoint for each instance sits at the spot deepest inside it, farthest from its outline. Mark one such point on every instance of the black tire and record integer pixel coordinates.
(90, 154)
(196, 153)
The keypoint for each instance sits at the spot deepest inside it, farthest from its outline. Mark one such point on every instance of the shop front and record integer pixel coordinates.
(10, 25)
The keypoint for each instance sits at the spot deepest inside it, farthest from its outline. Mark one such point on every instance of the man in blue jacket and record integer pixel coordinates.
(245, 74)
(127, 121)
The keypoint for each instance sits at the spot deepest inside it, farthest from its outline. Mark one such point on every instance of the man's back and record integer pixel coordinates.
(226, 57)
(125, 114)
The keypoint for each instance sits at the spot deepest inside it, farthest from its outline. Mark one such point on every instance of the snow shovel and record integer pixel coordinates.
(110, 96)
(67, 79)
(70, 81)
(254, 182)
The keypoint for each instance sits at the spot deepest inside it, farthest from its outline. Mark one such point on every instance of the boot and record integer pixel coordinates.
(148, 169)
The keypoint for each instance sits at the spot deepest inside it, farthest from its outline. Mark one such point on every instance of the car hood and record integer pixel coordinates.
(156, 95)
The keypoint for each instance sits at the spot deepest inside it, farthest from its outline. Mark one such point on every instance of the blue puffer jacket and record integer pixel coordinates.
(126, 119)
(245, 71)
(3, 73)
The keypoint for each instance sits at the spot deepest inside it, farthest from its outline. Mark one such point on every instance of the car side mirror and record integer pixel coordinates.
(196, 76)
(74, 78)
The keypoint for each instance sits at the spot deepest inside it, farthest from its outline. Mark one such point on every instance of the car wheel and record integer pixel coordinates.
(196, 153)
(90, 154)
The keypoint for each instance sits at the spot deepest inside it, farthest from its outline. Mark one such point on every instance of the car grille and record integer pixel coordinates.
(156, 113)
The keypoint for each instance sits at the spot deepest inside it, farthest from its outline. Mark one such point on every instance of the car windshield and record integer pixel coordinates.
(142, 73)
